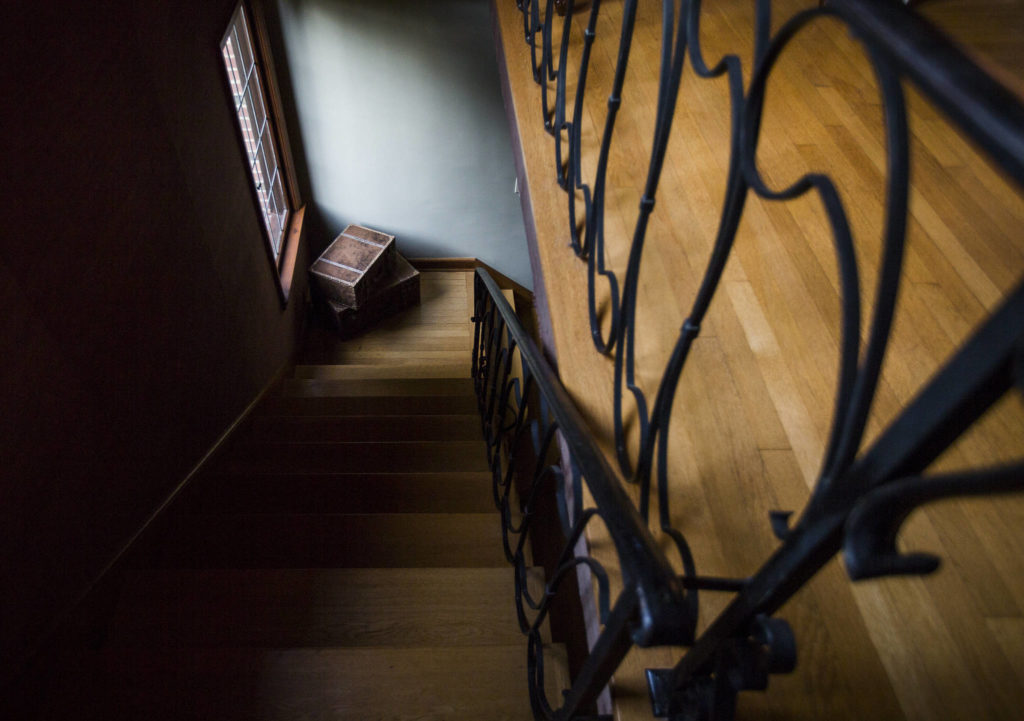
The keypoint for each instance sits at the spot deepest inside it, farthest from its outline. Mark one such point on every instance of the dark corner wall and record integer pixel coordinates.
(400, 110)
(138, 314)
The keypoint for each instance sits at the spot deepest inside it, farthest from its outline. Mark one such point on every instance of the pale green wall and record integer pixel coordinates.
(401, 117)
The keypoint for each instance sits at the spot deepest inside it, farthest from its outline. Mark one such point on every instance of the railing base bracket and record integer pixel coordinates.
(659, 684)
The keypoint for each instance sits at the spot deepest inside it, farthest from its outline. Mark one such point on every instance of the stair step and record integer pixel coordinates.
(285, 608)
(397, 328)
(318, 457)
(369, 405)
(447, 492)
(461, 342)
(447, 369)
(279, 540)
(355, 684)
(365, 428)
(381, 356)
(316, 387)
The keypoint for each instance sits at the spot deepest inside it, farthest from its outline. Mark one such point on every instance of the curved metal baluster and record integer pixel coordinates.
(848, 439)
(524, 8)
(547, 69)
(489, 355)
(493, 424)
(531, 39)
(673, 55)
(574, 179)
(857, 380)
(560, 124)
(523, 594)
(479, 302)
(732, 210)
(540, 471)
(496, 430)
(552, 70)
(595, 222)
(535, 651)
(520, 429)
(849, 277)
(565, 571)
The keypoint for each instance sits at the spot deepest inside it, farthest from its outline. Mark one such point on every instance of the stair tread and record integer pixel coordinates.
(354, 457)
(456, 368)
(455, 427)
(317, 607)
(461, 342)
(278, 540)
(420, 492)
(319, 387)
(381, 356)
(443, 404)
(357, 684)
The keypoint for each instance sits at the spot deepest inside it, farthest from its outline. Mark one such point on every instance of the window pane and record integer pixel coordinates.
(248, 131)
(244, 44)
(274, 226)
(271, 154)
(238, 51)
(255, 97)
(263, 175)
(282, 211)
(231, 63)
(278, 193)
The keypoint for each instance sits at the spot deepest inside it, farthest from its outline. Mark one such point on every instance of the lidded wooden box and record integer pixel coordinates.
(399, 289)
(353, 264)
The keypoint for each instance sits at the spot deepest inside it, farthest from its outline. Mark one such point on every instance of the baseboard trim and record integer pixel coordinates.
(443, 263)
(539, 296)
(468, 264)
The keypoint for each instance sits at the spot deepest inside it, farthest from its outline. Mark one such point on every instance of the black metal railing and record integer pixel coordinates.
(863, 492)
(526, 414)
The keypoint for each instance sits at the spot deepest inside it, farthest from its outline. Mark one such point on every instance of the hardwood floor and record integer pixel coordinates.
(754, 406)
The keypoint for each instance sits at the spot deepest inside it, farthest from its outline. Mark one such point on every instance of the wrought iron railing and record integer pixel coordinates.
(864, 492)
(526, 413)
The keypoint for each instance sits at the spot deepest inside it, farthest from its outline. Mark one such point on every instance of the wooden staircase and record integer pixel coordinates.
(341, 559)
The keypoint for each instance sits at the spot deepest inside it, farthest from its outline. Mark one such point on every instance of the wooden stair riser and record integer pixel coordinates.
(314, 387)
(370, 405)
(449, 369)
(256, 458)
(401, 540)
(358, 684)
(295, 429)
(446, 492)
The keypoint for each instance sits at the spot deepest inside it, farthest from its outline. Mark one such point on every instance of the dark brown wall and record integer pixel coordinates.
(138, 315)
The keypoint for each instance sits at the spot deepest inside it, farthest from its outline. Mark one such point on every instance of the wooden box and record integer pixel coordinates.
(399, 290)
(353, 264)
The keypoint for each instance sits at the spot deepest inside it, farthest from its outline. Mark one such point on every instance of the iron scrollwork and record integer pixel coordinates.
(862, 494)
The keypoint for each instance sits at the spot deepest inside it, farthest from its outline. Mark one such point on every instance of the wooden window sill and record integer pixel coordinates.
(286, 265)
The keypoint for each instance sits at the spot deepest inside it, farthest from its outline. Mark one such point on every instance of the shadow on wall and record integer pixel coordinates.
(400, 110)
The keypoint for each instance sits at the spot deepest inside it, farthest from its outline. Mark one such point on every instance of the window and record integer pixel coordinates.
(258, 122)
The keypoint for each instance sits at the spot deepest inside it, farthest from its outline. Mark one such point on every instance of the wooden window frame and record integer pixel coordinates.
(283, 261)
